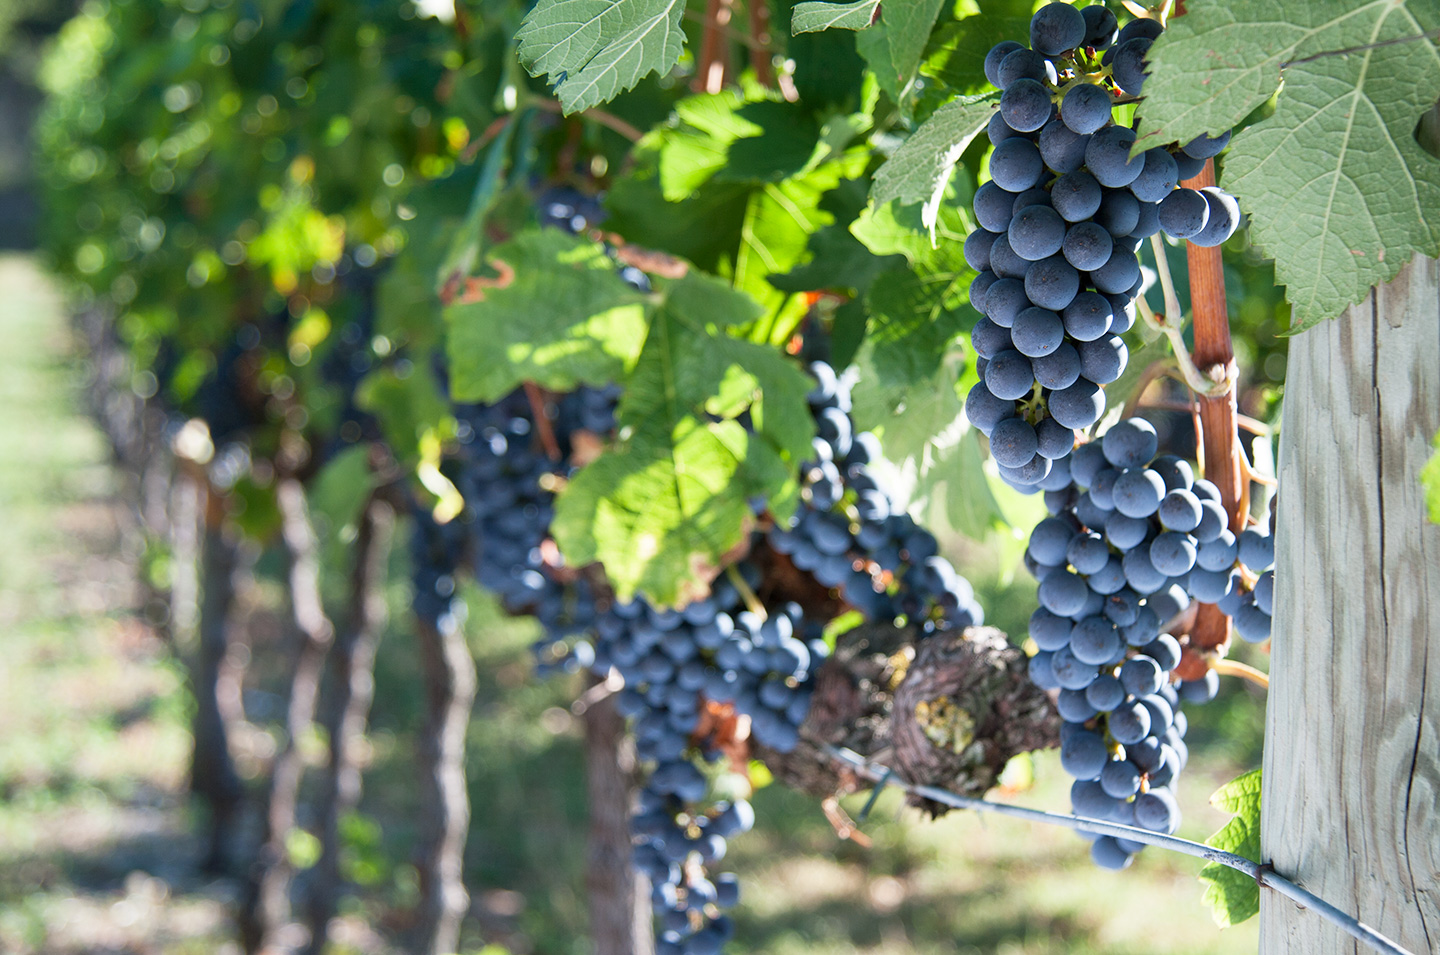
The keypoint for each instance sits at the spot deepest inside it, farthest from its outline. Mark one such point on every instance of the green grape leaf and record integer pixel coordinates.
(920, 169)
(893, 46)
(916, 315)
(812, 17)
(408, 406)
(663, 508)
(557, 314)
(779, 219)
(1430, 480)
(837, 259)
(1231, 895)
(751, 212)
(956, 54)
(723, 137)
(916, 311)
(592, 50)
(1339, 192)
(340, 491)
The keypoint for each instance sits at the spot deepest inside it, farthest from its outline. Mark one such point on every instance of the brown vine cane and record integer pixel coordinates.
(1214, 355)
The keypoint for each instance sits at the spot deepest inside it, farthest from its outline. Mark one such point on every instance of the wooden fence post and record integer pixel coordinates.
(1351, 799)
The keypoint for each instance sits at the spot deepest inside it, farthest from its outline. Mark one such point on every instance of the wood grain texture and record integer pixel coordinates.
(1352, 741)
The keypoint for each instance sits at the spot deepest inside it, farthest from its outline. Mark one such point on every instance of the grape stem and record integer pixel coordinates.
(1227, 667)
(752, 602)
(1264, 875)
(1245, 421)
(543, 429)
(1152, 373)
(1194, 379)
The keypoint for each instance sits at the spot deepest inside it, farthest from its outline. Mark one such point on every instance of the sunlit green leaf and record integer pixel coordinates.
(812, 17)
(662, 507)
(556, 313)
(592, 50)
(920, 169)
(1430, 479)
(1231, 895)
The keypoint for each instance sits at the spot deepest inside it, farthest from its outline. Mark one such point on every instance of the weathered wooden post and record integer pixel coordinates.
(1351, 801)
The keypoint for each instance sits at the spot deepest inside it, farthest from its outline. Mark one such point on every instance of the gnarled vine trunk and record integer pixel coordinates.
(947, 709)
(620, 920)
(352, 670)
(267, 899)
(1352, 736)
(215, 681)
(449, 674)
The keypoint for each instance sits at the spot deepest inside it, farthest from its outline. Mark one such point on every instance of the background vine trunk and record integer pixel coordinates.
(449, 674)
(620, 920)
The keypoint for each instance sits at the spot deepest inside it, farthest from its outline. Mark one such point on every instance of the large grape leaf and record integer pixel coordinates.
(736, 188)
(838, 259)
(893, 46)
(916, 310)
(721, 135)
(813, 16)
(956, 53)
(663, 507)
(556, 314)
(592, 50)
(1339, 192)
(920, 169)
(1232, 895)
(916, 314)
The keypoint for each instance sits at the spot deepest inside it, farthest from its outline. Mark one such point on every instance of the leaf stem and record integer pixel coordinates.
(542, 421)
(1227, 667)
(752, 602)
(1191, 374)
(608, 120)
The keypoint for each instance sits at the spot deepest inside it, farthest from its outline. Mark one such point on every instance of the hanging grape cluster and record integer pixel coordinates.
(757, 656)
(1132, 538)
(1061, 220)
(1112, 561)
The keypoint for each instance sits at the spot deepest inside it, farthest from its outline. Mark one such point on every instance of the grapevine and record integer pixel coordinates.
(736, 374)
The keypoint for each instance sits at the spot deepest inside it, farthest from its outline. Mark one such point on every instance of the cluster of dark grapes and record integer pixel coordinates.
(1113, 562)
(350, 355)
(1220, 574)
(725, 649)
(731, 648)
(504, 472)
(685, 671)
(504, 476)
(849, 536)
(1061, 220)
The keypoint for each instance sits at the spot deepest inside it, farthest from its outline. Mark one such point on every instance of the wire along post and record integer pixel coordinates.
(1263, 875)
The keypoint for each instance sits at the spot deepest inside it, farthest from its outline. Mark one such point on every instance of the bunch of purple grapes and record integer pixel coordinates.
(1114, 561)
(847, 533)
(1061, 220)
(850, 536)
